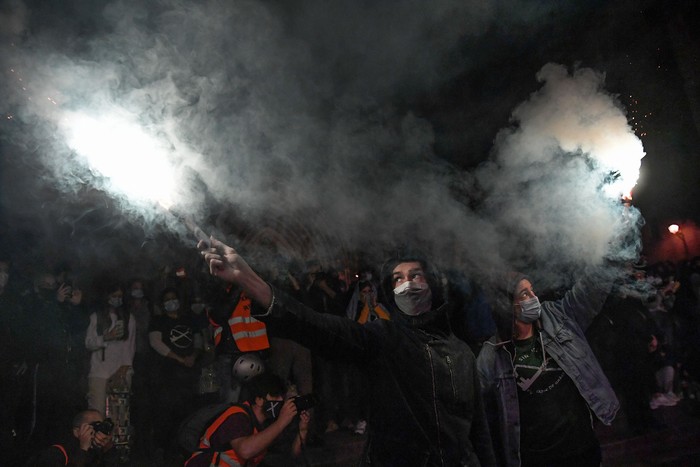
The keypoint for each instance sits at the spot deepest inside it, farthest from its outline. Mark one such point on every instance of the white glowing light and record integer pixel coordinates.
(674, 229)
(622, 154)
(117, 147)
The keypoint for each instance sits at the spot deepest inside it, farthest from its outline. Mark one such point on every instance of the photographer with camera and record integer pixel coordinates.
(90, 444)
(242, 434)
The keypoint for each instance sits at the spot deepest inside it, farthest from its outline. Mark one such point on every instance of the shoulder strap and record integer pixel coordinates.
(253, 419)
(63, 450)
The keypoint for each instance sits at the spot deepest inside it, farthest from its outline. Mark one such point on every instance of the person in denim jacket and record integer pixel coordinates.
(540, 379)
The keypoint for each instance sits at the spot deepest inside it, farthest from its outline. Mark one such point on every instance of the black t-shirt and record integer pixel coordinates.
(555, 419)
(177, 333)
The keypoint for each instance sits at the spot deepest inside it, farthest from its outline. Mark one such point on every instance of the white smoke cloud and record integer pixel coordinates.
(279, 113)
(552, 171)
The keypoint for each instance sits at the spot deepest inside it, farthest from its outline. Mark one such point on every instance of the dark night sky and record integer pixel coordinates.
(362, 91)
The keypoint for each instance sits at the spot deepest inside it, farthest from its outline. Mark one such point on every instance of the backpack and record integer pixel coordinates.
(194, 425)
(192, 428)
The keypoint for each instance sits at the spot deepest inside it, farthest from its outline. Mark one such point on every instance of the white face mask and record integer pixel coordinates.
(171, 305)
(197, 308)
(115, 302)
(413, 298)
(4, 277)
(137, 293)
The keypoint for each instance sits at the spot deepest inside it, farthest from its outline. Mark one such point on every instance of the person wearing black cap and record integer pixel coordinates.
(540, 378)
(425, 407)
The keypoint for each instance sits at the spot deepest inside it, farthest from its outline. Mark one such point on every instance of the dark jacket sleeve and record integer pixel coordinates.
(330, 334)
(54, 457)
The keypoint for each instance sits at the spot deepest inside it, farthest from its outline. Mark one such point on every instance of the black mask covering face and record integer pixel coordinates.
(272, 409)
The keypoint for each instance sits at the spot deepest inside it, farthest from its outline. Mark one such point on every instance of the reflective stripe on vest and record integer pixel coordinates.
(248, 333)
(229, 457)
(63, 450)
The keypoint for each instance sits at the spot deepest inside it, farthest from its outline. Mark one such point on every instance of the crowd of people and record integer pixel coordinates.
(432, 366)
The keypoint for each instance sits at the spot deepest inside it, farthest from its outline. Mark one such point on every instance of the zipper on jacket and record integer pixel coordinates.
(452, 377)
(437, 417)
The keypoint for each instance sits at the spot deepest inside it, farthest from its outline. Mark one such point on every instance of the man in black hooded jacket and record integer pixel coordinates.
(425, 406)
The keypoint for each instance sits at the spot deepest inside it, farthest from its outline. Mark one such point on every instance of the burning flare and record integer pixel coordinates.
(115, 146)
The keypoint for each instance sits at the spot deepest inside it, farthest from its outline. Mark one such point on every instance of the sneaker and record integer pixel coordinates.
(361, 427)
(672, 396)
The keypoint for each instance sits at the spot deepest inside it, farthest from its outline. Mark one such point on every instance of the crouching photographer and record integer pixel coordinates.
(89, 444)
(243, 433)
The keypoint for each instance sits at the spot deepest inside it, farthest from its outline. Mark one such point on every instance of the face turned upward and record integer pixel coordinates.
(404, 272)
(523, 291)
(526, 306)
(412, 293)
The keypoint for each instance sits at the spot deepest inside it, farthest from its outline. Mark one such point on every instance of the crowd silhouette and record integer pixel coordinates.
(149, 351)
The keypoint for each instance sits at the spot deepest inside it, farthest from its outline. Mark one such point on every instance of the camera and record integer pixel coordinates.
(106, 426)
(304, 402)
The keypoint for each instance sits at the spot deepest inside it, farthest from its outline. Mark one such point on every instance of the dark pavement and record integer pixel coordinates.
(674, 443)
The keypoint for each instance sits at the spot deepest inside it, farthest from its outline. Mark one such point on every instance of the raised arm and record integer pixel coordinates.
(225, 263)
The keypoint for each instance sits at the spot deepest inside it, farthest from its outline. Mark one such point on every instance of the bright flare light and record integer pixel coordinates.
(623, 155)
(674, 229)
(117, 147)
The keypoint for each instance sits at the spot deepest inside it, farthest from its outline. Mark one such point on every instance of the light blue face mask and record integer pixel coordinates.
(172, 305)
(530, 310)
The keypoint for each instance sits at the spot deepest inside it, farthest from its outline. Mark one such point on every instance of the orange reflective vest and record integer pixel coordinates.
(378, 310)
(63, 450)
(230, 457)
(248, 333)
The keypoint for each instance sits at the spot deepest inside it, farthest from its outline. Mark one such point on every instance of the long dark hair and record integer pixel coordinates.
(104, 321)
(501, 295)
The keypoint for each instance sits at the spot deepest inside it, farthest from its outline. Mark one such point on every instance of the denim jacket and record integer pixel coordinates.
(563, 323)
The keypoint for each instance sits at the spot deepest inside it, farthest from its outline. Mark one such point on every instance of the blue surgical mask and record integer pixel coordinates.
(115, 302)
(171, 305)
(530, 310)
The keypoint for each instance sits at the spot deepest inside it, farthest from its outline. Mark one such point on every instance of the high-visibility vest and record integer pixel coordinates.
(229, 457)
(63, 450)
(248, 333)
(378, 310)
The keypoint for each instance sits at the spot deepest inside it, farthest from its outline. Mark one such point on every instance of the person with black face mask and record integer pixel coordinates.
(425, 406)
(242, 433)
(51, 326)
(540, 378)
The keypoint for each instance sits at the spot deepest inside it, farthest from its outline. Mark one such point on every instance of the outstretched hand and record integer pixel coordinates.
(225, 262)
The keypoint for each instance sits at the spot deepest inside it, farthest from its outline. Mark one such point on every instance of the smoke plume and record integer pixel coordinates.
(293, 110)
